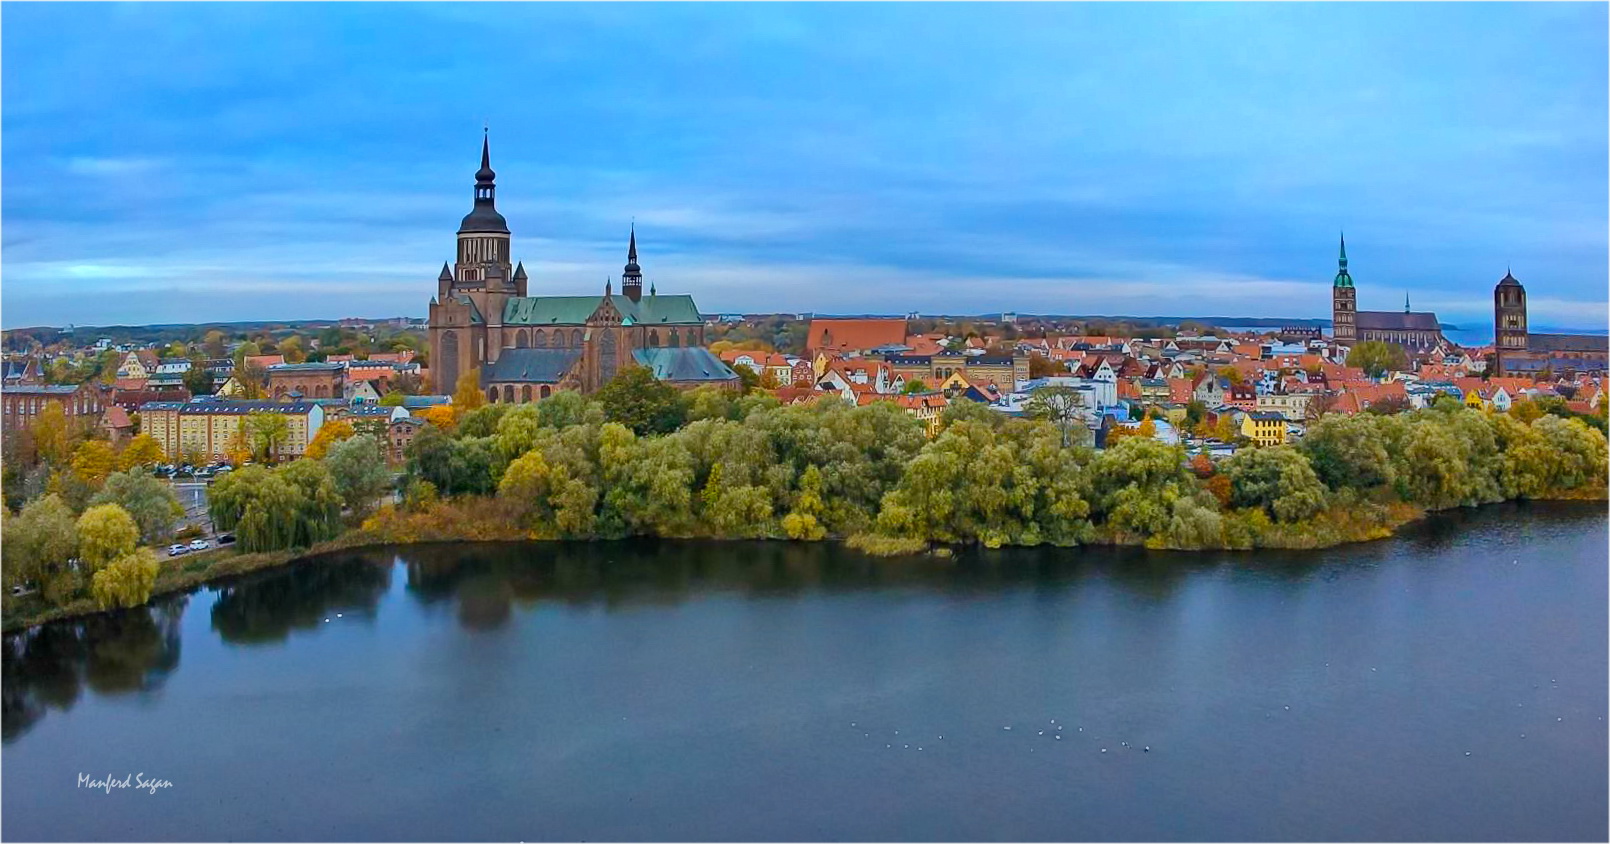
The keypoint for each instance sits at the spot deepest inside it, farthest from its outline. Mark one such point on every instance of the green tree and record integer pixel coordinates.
(1377, 358)
(126, 581)
(358, 466)
(1348, 451)
(268, 432)
(1277, 479)
(394, 398)
(1063, 407)
(804, 521)
(914, 386)
(150, 502)
(39, 542)
(636, 399)
(106, 532)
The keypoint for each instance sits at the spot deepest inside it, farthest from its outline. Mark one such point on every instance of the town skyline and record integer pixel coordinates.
(245, 194)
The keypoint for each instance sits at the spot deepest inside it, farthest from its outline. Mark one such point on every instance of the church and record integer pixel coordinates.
(1518, 351)
(525, 348)
(1415, 332)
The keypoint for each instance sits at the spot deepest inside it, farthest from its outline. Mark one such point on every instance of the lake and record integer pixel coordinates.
(1449, 683)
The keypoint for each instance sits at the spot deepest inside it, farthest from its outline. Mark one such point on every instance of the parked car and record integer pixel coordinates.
(198, 545)
(226, 539)
(176, 549)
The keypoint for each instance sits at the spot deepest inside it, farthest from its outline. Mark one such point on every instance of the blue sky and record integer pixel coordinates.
(188, 162)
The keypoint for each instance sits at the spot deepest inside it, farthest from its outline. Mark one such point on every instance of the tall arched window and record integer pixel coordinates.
(606, 355)
(575, 338)
(491, 394)
(508, 393)
(672, 341)
(525, 393)
(449, 376)
(654, 338)
(545, 391)
(539, 339)
(520, 339)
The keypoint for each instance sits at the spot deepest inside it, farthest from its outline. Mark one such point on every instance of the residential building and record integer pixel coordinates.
(208, 427)
(20, 405)
(1264, 428)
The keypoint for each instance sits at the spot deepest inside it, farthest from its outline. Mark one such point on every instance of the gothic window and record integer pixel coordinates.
(575, 338)
(672, 342)
(545, 392)
(654, 338)
(539, 339)
(508, 393)
(525, 393)
(449, 362)
(491, 394)
(520, 339)
(606, 355)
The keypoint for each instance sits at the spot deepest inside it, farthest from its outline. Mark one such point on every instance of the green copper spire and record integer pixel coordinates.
(1342, 278)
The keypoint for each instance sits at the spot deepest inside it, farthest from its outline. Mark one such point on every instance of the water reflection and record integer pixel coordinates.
(112, 653)
(264, 608)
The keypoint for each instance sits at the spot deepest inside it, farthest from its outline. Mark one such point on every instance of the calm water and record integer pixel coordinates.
(754, 691)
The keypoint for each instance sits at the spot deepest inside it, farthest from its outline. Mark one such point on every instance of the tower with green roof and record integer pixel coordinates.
(1344, 300)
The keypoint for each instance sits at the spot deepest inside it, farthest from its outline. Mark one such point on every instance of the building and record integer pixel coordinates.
(1264, 427)
(1517, 351)
(207, 429)
(527, 347)
(399, 434)
(288, 381)
(849, 335)
(1411, 330)
(20, 405)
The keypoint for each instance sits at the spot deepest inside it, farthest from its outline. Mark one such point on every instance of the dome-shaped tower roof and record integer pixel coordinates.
(484, 217)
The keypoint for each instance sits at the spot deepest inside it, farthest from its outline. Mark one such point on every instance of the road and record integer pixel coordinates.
(192, 496)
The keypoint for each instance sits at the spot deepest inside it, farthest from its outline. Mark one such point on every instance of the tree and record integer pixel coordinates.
(291, 349)
(467, 395)
(641, 402)
(1062, 407)
(52, 436)
(804, 521)
(150, 502)
(1389, 406)
(1231, 374)
(394, 398)
(1348, 451)
(1042, 367)
(267, 431)
(915, 385)
(93, 462)
(329, 434)
(237, 449)
(142, 450)
(1277, 479)
(358, 466)
(106, 532)
(39, 542)
(1377, 358)
(126, 581)
(251, 377)
(197, 379)
(244, 351)
(440, 417)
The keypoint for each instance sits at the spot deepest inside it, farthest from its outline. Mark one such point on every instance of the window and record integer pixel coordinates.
(491, 394)
(545, 393)
(520, 339)
(654, 338)
(575, 338)
(541, 340)
(525, 393)
(508, 393)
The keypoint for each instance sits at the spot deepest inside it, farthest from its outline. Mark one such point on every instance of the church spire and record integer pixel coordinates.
(1405, 301)
(484, 217)
(632, 276)
(1343, 279)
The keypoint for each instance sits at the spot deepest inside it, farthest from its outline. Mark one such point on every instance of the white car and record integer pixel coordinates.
(176, 549)
(198, 544)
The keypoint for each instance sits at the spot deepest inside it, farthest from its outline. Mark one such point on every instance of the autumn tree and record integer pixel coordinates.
(1377, 358)
(641, 402)
(467, 394)
(267, 431)
(150, 502)
(126, 581)
(329, 434)
(1064, 408)
(54, 439)
(142, 450)
(39, 542)
(105, 533)
(93, 461)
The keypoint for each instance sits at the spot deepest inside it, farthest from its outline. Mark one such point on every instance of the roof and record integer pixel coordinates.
(213, 407)
(43, 389)
(1396, 321)
(1267, 416)
(1567, 343)
(265, 361)
(686, 363)
(425, 401)
(116, 417)
(305, 367)
(530, 366)
(854, 333)
(575, 310)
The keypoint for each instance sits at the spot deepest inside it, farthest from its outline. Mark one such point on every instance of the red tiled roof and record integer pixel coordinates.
(116, 417)
(854, 333)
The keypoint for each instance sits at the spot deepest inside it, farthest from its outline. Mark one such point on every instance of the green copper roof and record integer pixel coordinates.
(1342, 278)
(574, 310)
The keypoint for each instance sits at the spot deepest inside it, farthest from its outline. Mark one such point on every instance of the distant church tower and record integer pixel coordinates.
(466, 317)
(632, 276)
(1509, 318)
(1344, 300)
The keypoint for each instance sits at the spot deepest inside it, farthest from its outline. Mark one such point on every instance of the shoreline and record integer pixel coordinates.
(184, 576)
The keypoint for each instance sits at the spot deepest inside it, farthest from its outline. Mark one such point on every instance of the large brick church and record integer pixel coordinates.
(1415, 331)
(527, 347)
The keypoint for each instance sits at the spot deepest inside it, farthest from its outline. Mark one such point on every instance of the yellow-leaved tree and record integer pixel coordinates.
(143, 450)
(329, 434)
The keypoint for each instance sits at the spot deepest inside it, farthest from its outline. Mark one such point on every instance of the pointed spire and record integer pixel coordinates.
(519, 270)
(651, 288)
(1405, 301)
(606, 285)
(1342, 260)
(447, 274)
(631, 247)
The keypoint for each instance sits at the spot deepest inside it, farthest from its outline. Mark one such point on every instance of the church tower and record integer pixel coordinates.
(632, 276)
(1509, 317)
(483, 236)
(1344, 300)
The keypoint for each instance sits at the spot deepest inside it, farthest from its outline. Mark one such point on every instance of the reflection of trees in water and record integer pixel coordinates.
(112, 653)
(484, 582)
(266, 607)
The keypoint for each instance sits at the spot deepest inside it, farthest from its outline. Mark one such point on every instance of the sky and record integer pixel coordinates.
(216, 162)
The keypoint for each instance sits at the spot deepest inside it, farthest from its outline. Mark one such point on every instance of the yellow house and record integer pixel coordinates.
(208, 427)
(232, 388)
(1473, 399)
(1264, 427)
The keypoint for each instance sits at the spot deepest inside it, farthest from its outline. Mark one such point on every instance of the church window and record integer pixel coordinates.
(491, 394)
(672, 341)
(520, 339)
(545, 392)
(525, 393)
(508, 393)
(654, 338)
(540, 340)
(575, 338)
(606, 355)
